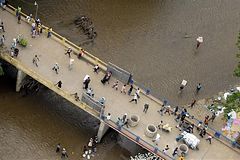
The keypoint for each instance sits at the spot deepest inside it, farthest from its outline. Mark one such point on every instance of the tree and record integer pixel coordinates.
(232, 103)
(237, 69)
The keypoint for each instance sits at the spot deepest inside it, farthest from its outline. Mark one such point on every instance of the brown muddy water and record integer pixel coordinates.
(153, 39)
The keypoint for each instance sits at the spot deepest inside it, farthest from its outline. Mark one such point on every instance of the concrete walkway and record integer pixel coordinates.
(50, 52)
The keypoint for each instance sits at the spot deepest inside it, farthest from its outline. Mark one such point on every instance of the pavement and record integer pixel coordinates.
(51, 51)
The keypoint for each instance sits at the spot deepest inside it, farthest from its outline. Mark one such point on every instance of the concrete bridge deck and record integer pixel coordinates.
(51, 50)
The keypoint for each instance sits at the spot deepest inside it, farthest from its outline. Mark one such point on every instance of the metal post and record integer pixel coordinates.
(36, 9)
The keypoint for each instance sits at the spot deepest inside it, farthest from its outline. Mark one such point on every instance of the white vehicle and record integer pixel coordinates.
(191, 140)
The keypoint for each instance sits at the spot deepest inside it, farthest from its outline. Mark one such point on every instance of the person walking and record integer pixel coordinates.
(19, 18)
(115, 85)
(146, 106)
(175, 111)
(123, 90)
(161, 111)
(96, 69)
(58, 147)
(199, 41)
(71, 60)
(138, 92)
(108, 117)
(59, 84)
(135, 98)
(124, 117)
(2, 40)
(56, 68)
(69, 51)
(160, 125)
(193, 103)
(156, 139)
(167, 110)
(49, 32)
(209, 138)
(175, 152)
(2, 27)
(130, 90)
(206, 120)
(18, 11)
(213, 117)
(64, 153)
(35, 60)
(199, 86)
(165, 149)
(202, 132)
(86, 83)
(106, 77)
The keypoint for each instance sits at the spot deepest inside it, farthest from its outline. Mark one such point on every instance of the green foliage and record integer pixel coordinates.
(23, 42)
(1, 71)
(232, 102)
(237, 69)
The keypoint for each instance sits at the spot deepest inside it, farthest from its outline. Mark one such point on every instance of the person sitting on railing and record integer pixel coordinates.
(49, 32)
(108, 117)
(37, 21)
(81, 53)
(102, 101)
(75, 96)
(28, 18)
(90, 92)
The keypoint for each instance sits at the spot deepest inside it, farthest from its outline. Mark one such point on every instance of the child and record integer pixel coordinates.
(115, 85)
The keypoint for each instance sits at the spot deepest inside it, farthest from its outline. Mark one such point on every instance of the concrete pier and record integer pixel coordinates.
(103, 127)
(20, 77)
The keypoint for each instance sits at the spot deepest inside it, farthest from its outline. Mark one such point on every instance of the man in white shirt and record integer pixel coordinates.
(199, 41)
(156, 139)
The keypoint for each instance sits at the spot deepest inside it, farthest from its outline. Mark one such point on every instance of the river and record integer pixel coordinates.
(153, 39)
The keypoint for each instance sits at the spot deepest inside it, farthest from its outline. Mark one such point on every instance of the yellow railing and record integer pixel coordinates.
(76, 49)
(48, 84)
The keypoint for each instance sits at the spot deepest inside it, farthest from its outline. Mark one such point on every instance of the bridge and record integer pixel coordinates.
(51, 50)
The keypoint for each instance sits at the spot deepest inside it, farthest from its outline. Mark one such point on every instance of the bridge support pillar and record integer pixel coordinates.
(102, 130)
(20, 76)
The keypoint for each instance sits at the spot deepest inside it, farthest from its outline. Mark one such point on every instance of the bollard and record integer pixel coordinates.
(234, 143)
(137, 138)
(63, 40)
(217, 134)
(147, 91)
(155, 150)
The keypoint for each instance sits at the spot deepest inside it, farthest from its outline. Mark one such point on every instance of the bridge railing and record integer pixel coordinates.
(89, 57)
